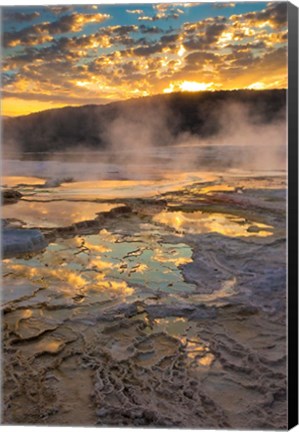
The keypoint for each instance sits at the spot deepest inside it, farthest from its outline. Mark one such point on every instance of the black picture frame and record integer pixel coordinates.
(292, 325)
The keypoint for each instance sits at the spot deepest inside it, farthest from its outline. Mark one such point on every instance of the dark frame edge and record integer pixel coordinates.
(292, 92)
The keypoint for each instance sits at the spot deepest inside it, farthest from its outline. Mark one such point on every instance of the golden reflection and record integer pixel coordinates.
(126, 188)
(97, 248)
(51, 346)
(12, 181)
(35, 274)
(23, 315)
(121, 286)
(108, 236)
(163, 256)
(54, 213)
(201, 222)
(140, 268)
(207, 360)
(112, 286)
(214, 188)
(73, 279)
(111, 189)
(227, 290)
(198, 352)
(99, 264)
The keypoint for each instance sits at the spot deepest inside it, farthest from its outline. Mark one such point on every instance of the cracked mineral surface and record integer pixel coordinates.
(151, 303)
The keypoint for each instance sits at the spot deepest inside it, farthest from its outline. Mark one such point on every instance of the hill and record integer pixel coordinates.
(158, 118)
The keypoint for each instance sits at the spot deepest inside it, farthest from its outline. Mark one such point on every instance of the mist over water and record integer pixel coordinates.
(162, 262)
(151, 142)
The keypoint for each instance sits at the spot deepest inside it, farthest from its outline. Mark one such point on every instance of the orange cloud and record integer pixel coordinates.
(123, 61)
(40, 33)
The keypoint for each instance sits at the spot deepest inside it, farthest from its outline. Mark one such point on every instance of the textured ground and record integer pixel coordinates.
(167, 310)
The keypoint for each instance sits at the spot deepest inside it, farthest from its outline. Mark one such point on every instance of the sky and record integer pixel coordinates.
(55, 56)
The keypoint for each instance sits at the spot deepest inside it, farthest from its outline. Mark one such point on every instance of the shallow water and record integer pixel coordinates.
(225, 224)
(54, 213)
(170, 314)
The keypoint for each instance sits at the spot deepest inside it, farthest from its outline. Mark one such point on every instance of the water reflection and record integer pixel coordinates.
(54, 213)
(197, 351)
(12, 181)
(104, 263)
(228, 289)
(214, 189)
(131, 188)
(201, 222)
(106, 189)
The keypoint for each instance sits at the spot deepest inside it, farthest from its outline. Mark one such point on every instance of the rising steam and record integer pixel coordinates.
(150, 141)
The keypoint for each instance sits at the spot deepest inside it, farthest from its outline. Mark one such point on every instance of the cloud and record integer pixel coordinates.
(165, 11)
(259, 44)
(29, 38)
(119, 30)
(20, 16)
(113, 62)
(223, 5)
(162, 8)
(8, 79)
(201, 26)
(58, 10)
(150, 29)
(274, 38)
(274, 15)
(213, 31)
(41, 33)
(75, 22)
(199, 57)
(204, 34)
(159, 17)
(169, 39)
(90, 7)
(188, 5)
(197, 61)
(135, 11)
(148, 50)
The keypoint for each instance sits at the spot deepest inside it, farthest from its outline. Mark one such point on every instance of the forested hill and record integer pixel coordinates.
(166, 116)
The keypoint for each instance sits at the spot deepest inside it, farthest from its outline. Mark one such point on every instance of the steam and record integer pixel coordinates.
(244, 140)
(258, 145)
(135, 138)
(150, 142)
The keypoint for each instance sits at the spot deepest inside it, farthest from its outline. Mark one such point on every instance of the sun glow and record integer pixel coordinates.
(257, 86)
(225, 38)
(190, 86)
(181, 51)
(82, 83)
(194, 86)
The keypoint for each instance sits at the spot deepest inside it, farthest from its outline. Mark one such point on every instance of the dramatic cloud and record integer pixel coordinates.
(275, 16)
(20, 16)
(41, 33)
(78, 56)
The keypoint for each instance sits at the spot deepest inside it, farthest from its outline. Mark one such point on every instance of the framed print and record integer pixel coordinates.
(149, 215)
